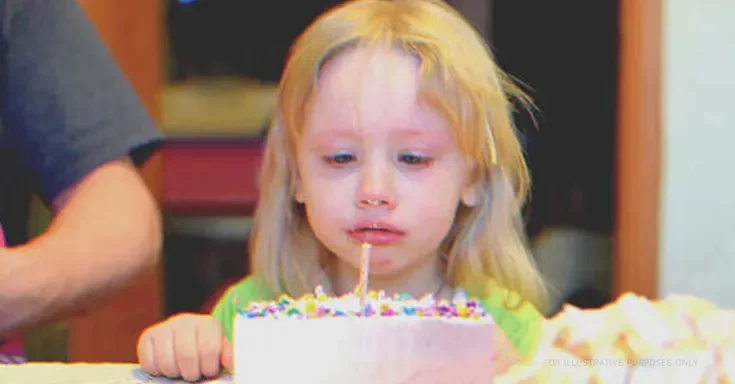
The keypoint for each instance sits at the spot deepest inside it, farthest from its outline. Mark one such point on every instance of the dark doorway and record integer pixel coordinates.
(566, 54)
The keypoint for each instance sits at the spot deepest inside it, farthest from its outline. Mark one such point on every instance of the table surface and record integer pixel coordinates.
(80, 373)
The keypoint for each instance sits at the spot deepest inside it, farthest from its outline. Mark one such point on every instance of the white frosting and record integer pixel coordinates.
(383, 350)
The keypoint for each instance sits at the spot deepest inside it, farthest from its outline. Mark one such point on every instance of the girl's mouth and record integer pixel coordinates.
(376, 233)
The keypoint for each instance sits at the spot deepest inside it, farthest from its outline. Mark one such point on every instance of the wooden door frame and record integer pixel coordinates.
(639, 155)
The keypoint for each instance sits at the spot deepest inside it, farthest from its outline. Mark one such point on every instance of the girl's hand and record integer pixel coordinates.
(505, 354)
(187, 346)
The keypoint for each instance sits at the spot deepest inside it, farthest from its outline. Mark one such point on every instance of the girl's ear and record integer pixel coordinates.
(470, 195)
(298, 195)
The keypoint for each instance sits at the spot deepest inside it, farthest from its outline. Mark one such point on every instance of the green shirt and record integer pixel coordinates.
(522, 325)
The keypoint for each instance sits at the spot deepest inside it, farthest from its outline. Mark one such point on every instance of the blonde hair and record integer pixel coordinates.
(462, 82)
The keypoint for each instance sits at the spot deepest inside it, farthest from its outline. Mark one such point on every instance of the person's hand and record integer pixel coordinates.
(505, 354)
(185, 346)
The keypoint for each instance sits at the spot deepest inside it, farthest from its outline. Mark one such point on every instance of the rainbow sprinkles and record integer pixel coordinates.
(377, 304)
(362, 303)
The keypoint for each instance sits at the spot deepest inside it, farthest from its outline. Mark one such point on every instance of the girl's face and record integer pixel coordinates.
(377, 166)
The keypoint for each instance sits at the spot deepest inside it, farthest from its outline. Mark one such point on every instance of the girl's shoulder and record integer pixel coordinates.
(520, 320)
(251, 288)
(239, 295)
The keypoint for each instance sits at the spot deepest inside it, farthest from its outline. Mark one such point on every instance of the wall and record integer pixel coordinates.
(697, 226)
(478, 13)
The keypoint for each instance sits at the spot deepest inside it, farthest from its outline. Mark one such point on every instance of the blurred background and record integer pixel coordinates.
(624, 158)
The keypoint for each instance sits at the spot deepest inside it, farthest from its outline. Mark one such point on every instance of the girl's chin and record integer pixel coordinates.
(386, 270)
(378, 263)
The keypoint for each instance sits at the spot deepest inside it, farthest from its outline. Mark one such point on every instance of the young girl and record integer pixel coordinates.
(393, 128)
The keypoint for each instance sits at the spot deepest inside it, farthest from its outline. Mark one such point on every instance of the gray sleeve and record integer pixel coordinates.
(66, 107)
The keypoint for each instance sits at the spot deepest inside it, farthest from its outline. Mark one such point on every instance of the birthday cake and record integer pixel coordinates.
(318, 339)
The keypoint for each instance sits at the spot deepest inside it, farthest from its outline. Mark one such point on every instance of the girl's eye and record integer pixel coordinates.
(339, 159)
(412, 159)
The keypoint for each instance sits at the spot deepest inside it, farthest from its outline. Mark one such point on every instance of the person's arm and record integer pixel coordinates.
(75, 124)
(106, 232)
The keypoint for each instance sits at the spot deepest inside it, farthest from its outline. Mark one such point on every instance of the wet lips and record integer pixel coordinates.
(376, 233)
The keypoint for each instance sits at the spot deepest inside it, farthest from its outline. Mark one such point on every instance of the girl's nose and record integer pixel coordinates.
(376, 188)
